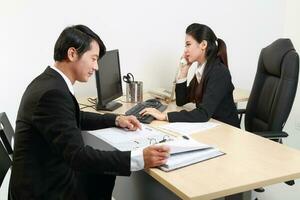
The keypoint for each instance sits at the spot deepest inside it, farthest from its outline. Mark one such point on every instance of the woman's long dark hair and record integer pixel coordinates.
(216, 47)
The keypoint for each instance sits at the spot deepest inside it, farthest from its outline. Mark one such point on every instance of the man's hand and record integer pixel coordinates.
(155, 155)
(129, 122)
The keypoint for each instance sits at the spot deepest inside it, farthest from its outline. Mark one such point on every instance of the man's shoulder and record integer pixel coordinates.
(48, 80)
(43, 84)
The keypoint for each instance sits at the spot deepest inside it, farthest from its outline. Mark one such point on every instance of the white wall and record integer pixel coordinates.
(149, 35)
(292, 30)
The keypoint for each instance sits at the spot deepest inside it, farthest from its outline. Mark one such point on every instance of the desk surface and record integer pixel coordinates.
(250, 162)
(240, 95)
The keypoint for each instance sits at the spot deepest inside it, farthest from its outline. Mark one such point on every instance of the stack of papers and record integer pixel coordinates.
(183, 150)
(186, 152)
(124, 140)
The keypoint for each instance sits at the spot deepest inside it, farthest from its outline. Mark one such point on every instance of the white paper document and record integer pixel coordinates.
(125, 140)
(184, 128)
(183, 150)
(179, 160)
(184, 145)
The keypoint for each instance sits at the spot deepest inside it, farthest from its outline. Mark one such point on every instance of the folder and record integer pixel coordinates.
(186, 152)
(183, 150)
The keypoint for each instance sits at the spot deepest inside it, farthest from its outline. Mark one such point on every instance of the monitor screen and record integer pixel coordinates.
(108, 81)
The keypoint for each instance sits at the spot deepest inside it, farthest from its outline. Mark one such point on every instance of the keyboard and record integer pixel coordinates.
(150, 103)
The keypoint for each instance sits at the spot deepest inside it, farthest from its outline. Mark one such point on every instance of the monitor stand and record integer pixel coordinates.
(110, 106)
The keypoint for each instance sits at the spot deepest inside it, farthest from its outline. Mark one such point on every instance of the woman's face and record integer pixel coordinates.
(194, 51)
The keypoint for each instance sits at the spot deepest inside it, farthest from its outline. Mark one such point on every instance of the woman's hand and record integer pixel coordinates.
(155, 113)
(184, 67)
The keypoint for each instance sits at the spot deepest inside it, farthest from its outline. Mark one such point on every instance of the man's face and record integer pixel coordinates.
(85, 66)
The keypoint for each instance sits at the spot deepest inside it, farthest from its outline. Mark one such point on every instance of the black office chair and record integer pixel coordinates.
(5, 163)
(7, 134)
(273, 92)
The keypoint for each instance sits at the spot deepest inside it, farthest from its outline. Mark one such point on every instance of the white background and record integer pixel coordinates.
(150, 38)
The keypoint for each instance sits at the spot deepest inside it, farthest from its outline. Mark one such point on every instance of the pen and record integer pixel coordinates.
(163, 140)
(185, 137)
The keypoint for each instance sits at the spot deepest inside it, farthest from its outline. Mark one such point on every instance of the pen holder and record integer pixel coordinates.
(134, 91)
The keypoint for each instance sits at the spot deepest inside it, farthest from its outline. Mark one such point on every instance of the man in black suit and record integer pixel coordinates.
(50, 160)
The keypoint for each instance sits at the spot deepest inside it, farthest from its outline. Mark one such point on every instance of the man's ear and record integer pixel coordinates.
(72, 54)
(203, 44)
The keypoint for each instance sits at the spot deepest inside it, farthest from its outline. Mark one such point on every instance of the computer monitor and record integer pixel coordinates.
(108, 81)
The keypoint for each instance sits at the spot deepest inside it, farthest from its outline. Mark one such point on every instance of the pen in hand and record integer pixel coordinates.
(163, 140)
(185, 137)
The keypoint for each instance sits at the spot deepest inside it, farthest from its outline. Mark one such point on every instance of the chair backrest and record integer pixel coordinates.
(274, 87)
(5, 162)
(7, 133)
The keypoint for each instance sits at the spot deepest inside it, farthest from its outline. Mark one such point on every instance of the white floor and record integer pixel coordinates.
(279, 191)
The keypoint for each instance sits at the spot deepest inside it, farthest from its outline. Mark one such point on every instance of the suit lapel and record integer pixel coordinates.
(61, 84)
(77, 110)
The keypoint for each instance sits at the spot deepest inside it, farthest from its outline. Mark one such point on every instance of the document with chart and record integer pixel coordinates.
(125, 140)
(183, 150)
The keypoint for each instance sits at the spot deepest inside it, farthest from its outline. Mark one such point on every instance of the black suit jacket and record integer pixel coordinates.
(217, 98)
(50, 160)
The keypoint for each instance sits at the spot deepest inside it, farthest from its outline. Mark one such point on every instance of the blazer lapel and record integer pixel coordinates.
(77, 110)
(62, 85)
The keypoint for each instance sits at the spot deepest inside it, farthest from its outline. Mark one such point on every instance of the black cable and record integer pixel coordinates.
(92, 100)
(87, 106)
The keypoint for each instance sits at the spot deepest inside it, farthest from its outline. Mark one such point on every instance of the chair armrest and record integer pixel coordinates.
(241, 112)
(272, 134)
(5, 142)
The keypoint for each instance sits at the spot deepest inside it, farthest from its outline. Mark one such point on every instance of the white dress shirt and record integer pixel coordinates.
(67, 80)
(136, 156)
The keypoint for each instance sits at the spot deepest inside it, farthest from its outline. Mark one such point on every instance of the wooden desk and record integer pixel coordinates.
(250, 162)
(240, 95)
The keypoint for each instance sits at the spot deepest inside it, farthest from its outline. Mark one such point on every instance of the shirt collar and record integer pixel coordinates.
(200, 68)
(67, 80)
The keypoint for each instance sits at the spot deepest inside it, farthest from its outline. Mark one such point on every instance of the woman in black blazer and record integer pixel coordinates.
(211, 87)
